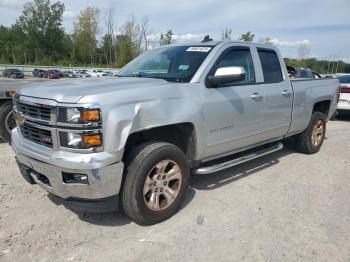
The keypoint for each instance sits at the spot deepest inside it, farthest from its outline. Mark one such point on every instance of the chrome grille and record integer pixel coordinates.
(36, 135)
(34, 111)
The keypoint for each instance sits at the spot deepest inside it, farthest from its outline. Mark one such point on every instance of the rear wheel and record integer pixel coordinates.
(7, 121)
(311, 140)
(157, 176)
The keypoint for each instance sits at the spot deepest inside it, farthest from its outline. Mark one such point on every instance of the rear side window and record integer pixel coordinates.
(239, 57)
(271, 66)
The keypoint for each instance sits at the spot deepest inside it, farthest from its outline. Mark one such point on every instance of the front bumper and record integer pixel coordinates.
(46, 167)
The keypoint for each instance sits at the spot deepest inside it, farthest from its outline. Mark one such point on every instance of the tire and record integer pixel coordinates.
(144, 180)
(311, 140)
(7, 121)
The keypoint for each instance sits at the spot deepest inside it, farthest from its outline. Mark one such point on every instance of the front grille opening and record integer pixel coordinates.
(36, 135)
(35, 112)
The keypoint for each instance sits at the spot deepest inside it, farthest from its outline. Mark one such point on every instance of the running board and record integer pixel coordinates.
(250, 156)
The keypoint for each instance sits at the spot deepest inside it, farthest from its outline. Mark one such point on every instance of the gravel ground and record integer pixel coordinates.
(283, 207)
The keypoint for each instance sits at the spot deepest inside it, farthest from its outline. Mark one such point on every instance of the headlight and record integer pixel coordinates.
(80, 141)
(79, 115)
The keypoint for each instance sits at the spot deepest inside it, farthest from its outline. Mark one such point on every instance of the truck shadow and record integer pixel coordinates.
(110, 219)
(198, 182)
(227, 176)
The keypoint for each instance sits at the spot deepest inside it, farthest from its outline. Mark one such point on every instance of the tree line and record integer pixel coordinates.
(38, 37)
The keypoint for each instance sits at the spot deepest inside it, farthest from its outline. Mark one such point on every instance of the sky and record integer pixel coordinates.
(322, 25)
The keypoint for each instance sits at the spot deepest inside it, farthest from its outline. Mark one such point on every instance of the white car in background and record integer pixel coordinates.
(82, 73)
(344, 98)
(95, 73)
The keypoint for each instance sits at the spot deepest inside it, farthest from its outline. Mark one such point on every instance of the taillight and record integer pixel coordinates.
(344, 89)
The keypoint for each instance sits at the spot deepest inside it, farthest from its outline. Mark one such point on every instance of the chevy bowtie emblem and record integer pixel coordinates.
(19, 119)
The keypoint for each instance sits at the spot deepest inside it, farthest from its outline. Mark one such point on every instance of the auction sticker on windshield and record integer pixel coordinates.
(203, 49)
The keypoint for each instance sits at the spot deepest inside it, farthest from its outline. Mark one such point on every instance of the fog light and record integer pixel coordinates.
(92, 140)
(71, 178)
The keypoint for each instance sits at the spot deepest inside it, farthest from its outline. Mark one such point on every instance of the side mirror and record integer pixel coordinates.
(226, 75)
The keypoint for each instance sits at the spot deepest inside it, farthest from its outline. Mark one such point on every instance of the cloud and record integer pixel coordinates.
(68, 14)
(291, 44)
(179, 38)
(11, 3)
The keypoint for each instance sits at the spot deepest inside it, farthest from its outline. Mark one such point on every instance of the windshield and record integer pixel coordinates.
(174, 64)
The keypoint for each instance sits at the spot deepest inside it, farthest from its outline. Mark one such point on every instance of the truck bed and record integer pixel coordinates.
(307, 92)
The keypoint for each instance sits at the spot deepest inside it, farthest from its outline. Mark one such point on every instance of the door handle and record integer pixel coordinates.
(256, 96)
(286, 93)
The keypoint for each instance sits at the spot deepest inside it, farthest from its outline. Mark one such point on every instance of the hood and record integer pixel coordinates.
(72, 90)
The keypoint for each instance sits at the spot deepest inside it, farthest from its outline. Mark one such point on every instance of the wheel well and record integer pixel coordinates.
(3, 101)
(322, 107)
(182, 135)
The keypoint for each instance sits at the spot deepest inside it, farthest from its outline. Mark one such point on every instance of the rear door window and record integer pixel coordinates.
(270, 65)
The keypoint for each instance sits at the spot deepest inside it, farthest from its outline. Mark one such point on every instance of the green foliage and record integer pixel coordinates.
(167, 38)
(247, 37)
(126, 50)
(41, 23)
(85, 36)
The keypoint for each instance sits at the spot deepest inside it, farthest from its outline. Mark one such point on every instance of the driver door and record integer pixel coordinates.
(233, 112)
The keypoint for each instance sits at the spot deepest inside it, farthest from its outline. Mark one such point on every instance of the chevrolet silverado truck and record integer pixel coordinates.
(133, 141)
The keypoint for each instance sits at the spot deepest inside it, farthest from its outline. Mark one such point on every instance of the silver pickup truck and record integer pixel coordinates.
(134, 140)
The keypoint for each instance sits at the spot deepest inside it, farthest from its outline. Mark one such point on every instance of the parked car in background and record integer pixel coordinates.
(51, 74)
(344, 97)
(60, 74)
(302, 73)
(107, 73)
(83, 74)
(95, 73)
(38, 72)
(69, 74)
(13, 73)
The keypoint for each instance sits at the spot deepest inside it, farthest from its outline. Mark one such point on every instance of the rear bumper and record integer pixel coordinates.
(343, 106)
(344, 102)
(49, 172)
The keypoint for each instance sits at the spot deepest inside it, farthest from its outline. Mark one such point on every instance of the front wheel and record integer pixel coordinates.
(7, 121)
(311, 140)
(156, 179)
